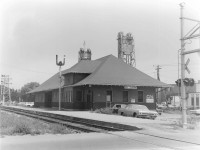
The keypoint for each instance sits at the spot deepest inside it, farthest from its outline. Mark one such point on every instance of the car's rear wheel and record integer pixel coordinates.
(135, 115)
(122, 113)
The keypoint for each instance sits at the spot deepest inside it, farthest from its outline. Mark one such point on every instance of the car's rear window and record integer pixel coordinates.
(139, 107)
(118, 106)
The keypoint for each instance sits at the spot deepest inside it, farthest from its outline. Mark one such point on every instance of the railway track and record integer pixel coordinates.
(88, 126)
(80, 124)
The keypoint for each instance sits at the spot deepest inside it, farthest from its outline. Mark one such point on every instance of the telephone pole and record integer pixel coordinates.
(158, 96)
(158, 72)
(5, 88)
(189, 36)
(183, 96)
(60, 64)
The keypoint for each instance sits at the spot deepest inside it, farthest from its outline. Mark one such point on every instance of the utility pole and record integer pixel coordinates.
(190, 35)
(158, 73)
(5, 88)
(183, 96)
(60, 64)
(2, 86)
(158, 90)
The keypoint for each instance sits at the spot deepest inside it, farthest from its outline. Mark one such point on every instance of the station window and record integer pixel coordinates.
(68, 96)
(197, 100)
(109, 96)
(125, 96)
(140, 97)
(62, 96)
(192, 99)
(71, 96)
(65, 96)
(79, 95)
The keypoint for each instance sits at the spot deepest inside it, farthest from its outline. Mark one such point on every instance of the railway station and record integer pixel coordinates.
(92, 84)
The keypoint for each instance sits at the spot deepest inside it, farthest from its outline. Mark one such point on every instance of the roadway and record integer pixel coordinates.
(125, 140)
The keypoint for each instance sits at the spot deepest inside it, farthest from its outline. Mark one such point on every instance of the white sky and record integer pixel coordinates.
(32, 32)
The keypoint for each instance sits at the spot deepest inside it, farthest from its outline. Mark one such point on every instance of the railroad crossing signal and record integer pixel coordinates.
(186, 66)
(192, 34)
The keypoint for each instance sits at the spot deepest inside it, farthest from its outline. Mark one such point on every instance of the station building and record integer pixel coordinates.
(92, 84)
(192, 95)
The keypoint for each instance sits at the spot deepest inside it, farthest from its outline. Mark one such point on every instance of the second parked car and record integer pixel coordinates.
(139, 111)
(195, 112)
(116, 107)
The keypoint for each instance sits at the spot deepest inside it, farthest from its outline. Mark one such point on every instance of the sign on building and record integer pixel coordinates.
(130, 87)
(132, 100)
(149, 99)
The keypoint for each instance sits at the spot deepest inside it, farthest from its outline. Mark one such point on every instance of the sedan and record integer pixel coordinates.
(116, 107)
(195, 112)
(139, 111)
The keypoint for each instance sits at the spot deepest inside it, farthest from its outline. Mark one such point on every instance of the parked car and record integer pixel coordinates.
(116, 107)
(195, 112)
(28, 104)
(161, 106)
(139, 111)
(159, 111)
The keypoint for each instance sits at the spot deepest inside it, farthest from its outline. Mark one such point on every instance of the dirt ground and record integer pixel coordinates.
(172, 123)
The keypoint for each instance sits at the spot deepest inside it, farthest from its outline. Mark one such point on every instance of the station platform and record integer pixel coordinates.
(113, 118)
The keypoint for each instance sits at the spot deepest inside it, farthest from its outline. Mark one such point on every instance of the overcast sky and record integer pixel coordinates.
(32, 32)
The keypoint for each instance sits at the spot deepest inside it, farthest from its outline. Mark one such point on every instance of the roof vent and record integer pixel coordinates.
(84, 55)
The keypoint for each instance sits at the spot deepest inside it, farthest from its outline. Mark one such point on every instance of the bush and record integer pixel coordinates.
(12, 124)
(56, 128)
(104, 111)
(193, 122)
(22, 128)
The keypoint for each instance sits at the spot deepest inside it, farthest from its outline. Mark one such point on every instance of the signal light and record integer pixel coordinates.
(186, 81)
(191, 81)
(178, 82)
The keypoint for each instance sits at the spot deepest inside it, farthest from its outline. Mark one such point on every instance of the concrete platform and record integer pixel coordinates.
(102, 117)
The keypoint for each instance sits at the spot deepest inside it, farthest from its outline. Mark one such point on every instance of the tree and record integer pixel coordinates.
(27, 88)
(15, 94)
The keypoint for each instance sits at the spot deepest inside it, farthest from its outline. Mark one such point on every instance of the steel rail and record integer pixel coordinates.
(51, 120)
(56, 118)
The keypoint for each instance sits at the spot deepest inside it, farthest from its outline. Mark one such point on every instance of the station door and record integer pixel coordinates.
(48, 99)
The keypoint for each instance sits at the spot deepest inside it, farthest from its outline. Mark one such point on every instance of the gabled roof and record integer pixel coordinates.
(107, 70)
(113, 71)
(84, 66)
(50, 84)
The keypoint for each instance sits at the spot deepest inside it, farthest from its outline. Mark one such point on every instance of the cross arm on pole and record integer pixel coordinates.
(195, 20)
(191, 37)
(189, 52)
